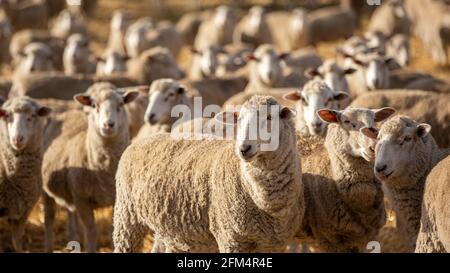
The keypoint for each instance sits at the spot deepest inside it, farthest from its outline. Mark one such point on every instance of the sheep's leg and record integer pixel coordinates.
(88, 220)
(73, 226)
(17, 229)
(129, 233)
(49, 218)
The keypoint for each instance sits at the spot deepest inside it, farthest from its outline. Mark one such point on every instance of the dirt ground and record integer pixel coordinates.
(98, 24)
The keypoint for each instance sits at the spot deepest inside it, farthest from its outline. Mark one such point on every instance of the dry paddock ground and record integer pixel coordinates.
(99, 29)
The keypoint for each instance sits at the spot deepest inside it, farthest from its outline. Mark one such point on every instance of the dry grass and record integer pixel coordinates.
(99, 29)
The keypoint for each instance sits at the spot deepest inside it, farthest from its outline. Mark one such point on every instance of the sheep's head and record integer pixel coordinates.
(401, 143)
(164, 94)
(67, 22)
(112, 62)
(315, 95)
(159, 63)
(224, 17)
(266, 65)
(400, 49)
(77, 47)
(262, 126)
(36, 57)
(22, 119)
(375, 67)
(209, 59)
(105, 104)
(352, 120)
(332, 73)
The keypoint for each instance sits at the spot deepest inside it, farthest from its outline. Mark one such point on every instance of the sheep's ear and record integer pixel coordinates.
(283, 56)
(423, 129)
(349, 71)
(3, 112)
(383, 113)
(84, 99)
(328, 115)
(340, 96)
(251, 57)
(130, 96)
(227, 117)
(370, 132)
(287, 113)
(44, 111)
(293, 96)
(310, 73)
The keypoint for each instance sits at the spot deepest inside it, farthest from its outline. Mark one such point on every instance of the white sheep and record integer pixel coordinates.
(399, 48)
(405, 154)
(135, 36)
(116, 41)
(253, 28)
(111, 63)
(36, 57)
(21, 141)
(238, 199)
(77, 57)
(68, 22)
(79, 165)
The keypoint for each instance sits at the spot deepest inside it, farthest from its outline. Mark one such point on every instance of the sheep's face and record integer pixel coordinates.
(208, 59)
(22, 118)
(352, 120)
(267, 65)
(36, 57)
(400, 143)
(332, 74)
(163, 96)
(399, 48)
(315, 95)
(106, 110)
(229, 63)
(77, 48)
(113, 63)
(135, 36)
(261, 124)
(376, 71)
(67, 21)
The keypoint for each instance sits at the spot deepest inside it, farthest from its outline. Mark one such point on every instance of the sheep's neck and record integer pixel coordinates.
(104, 153)
(273, 181)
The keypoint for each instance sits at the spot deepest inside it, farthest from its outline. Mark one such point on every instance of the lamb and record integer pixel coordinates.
(294, 33)
(344, 201)
(314, 96)
(67, 23)
(116, 40)
(79, 164)
(415, 104)
(405, 154)
(77, 57)
(232, 184)
(216, 30)
(5, 34)
(111, 63)
(253, 29)
(434, 227)
(390, 19)
(21, 130)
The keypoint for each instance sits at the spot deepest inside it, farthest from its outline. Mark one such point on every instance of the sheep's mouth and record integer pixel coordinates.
(384, 176)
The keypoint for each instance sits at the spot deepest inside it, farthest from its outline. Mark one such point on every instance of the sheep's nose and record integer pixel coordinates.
(17, 140)
(244, 148)
(109, 124)
(380, 168)
(151, 118)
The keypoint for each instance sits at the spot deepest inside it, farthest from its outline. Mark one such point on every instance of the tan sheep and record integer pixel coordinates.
(68, 22)
(135, 36)
(36, 57)
(77, 57)
(112, 63)
(189, 24)
(422, 106)
(391, 18)
(79, 165)
(21, 141)
(253, 28)
(405, 154)
(434, 227)
(116, 40)
(238, 199)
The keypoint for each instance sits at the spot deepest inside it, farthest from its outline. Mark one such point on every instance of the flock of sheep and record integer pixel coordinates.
(359, 134)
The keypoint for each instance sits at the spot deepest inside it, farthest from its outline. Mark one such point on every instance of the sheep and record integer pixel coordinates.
(434, 227)
(116, 40)
(37, 57)
(67, 23)
(415, 104)
(23, 38)
(189, 24)
(111, 63)
(164, 35)
(390, 19)
(399, 48)
(253, 29)
(205, 62)
(5, 37)
(294, 33)
(315, 95)
(29, 14)
(216, 30)
(77, 57)
(79, 164)
(239, 220)
(405, 154)
(21, 130)
(344, 201)
(135, 36)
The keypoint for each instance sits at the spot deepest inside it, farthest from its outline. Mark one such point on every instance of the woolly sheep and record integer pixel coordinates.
(111, 63)
(315, 95)
(205, 62)
(37, 57)
(399, 48)
(216, 30)
(405, 154)
(77, 57)
(422, 106)
(232, 183)
(21, 141)
(253, 28)
(164, 35)
(344, 201)
(293, 34)
(116, 40)
(434, 227)
(68, 22)
(79, 165)
(391, 18)
(135, 36)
